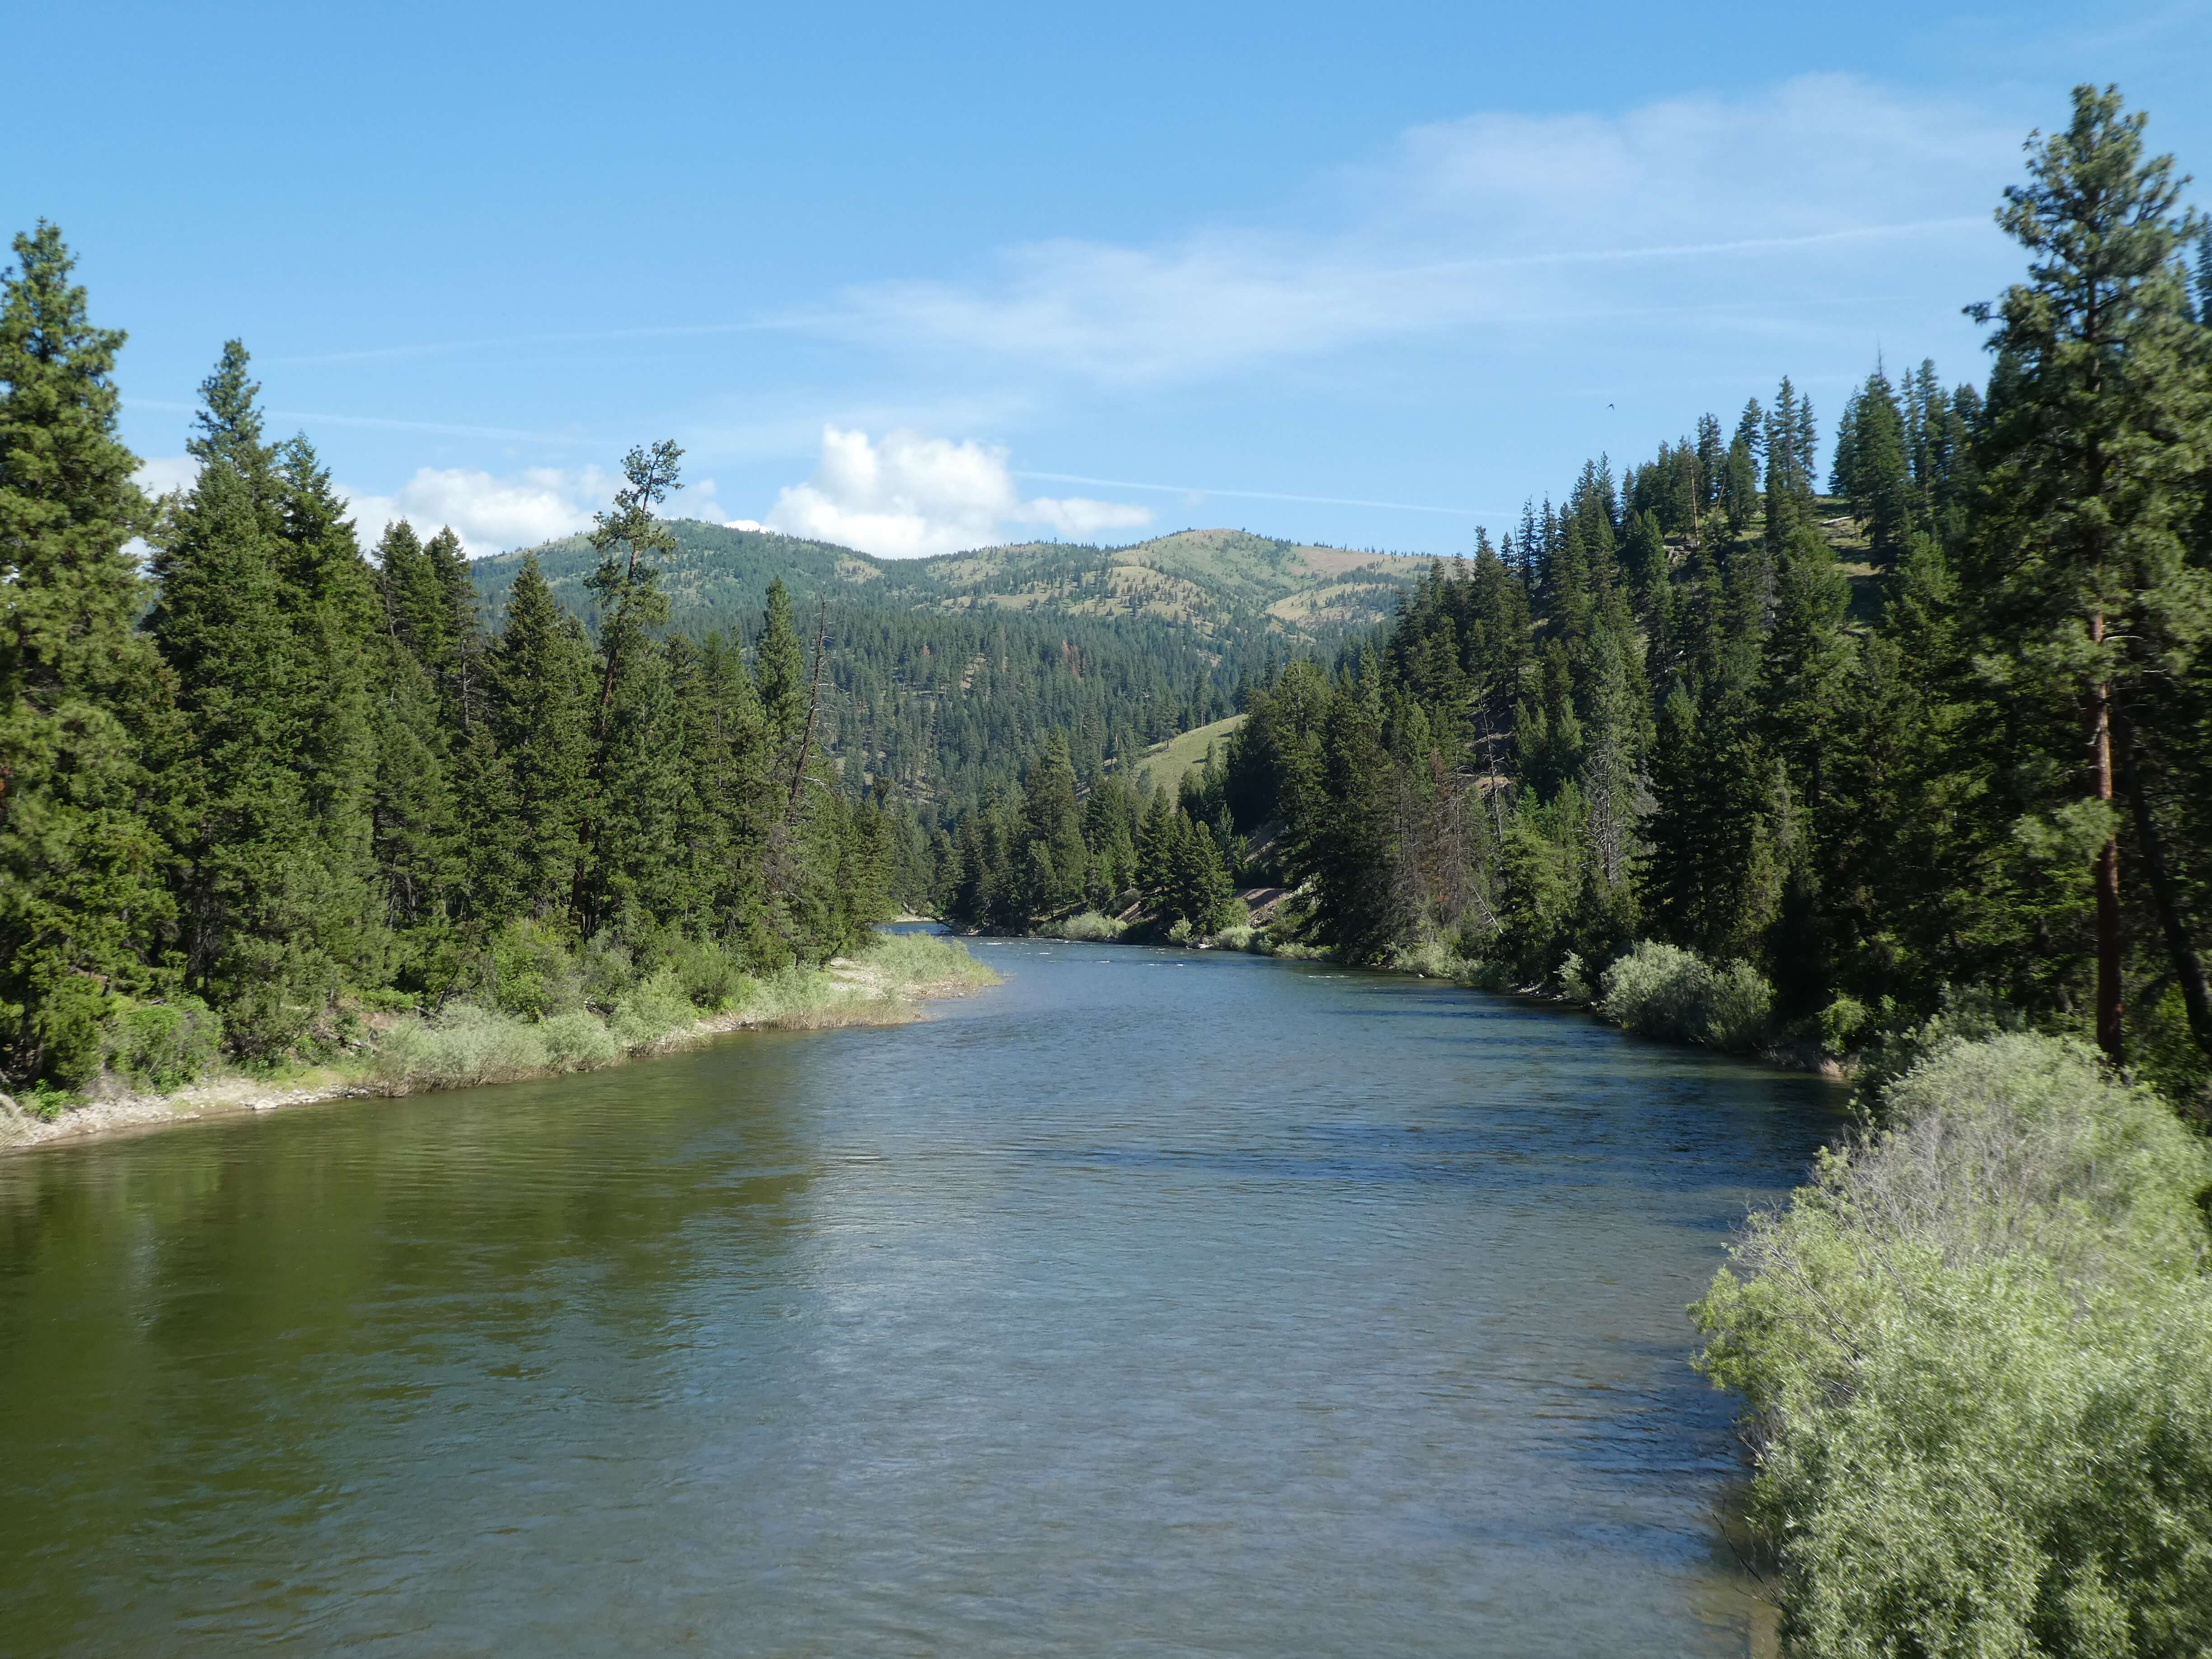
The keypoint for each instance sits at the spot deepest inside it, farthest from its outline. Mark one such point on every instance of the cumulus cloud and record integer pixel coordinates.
(1495, 219)
(488, 512)
(909, 496)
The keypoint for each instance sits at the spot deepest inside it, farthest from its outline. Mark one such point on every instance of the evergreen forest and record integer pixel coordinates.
(275, 784)
(1916, 719)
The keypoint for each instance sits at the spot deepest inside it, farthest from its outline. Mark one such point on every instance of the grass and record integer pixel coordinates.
(570, 1012)
(466, 1044)
(1165, 763)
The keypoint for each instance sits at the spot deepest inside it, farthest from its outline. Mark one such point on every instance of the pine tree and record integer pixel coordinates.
(1740, 485)
(415, 837)
(2080, 566)
(329, 597)
(1880, 486)
(623, 868)
(82, 695)
(266, 631)
(539, 695)
(1054, 825)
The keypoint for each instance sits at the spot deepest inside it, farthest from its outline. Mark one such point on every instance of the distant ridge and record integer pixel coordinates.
(945, 675)
(1223, 585)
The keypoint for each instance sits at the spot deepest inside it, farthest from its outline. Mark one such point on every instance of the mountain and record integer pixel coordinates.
(945, 674)
(1224, 585)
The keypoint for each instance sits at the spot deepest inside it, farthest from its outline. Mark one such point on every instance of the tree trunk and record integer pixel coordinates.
(2109, 1036)
(2188, 966)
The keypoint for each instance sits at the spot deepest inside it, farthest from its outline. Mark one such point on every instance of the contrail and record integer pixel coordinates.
(1265, 495)
(579, 337)
(1689, 250)
(800, 321)
(382, 423)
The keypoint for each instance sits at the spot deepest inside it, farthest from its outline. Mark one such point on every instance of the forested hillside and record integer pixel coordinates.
(1940, 736)
(1865, 747)
(944, 674)
(307, 789)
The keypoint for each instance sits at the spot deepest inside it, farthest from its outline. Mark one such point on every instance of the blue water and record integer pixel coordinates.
(1150, 1303)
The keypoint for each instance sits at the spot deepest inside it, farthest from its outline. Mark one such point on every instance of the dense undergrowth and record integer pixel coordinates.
(536, 1004)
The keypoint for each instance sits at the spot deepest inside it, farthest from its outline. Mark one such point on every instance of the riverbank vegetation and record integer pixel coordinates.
(174, 1068)
(1916, 772)
(1978, 1356)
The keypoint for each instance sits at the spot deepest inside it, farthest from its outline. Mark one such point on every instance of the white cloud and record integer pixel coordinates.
(488, 512)
(1495, 219)
(909, 496)
(158, 474)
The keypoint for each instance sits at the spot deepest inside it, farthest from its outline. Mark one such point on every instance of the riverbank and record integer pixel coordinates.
(1653, 991)
(467, 1045)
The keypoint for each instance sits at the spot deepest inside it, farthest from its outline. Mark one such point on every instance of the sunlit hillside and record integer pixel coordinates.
(945, 674)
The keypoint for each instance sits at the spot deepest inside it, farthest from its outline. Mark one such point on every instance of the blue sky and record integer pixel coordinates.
(917, 278)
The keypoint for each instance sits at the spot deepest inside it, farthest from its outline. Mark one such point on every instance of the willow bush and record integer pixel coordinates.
(1976, 1358)
(1661, 991)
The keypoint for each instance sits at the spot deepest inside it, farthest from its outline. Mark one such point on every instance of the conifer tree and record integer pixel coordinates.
(539, 695)
(412, 822)
(1055, 824)
(1878, 479)
(2080, 569)
(266, 631)
(635, 782)
(83, 696)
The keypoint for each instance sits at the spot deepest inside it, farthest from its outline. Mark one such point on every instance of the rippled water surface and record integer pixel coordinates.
(1147, 1304)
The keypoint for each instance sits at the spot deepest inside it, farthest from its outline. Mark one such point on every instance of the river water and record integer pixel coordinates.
(1148, 1304)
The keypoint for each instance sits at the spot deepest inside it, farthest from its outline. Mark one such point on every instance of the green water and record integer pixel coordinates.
(1148, 1304)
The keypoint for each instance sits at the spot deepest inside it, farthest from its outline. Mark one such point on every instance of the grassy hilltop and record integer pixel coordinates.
(1223, 587)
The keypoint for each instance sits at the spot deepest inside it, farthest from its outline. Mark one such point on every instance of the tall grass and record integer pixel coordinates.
(469, 1043)
(910, 963)
(1977, 1356)
(1087, 927)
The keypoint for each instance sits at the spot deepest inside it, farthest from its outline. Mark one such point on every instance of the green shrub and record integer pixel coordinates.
(463, 1045)
(1977, 1355)
(908, 962)
(712, 976)
(578, 1041)
(1842, 1023)
(162, 1046)
(1965, 1016)
(1087, 927)
(46, 1103)
(69, 1021)
(1430, 957)
(1657, 990)
(530, 970)
(607, 967)
(1574, 979)
(652, 1008)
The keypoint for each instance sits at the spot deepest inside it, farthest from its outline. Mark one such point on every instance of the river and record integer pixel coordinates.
(1151, 1304)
